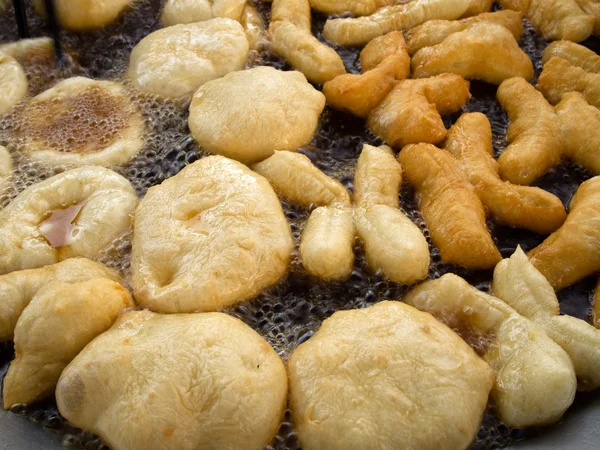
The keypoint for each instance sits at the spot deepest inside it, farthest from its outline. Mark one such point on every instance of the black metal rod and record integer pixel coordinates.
(54, 29)
(21, 17)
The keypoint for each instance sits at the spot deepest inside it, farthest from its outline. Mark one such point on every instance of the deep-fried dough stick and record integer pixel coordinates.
(384, 61)
(535, 381)
(358, 31)
(254, 27)
(576, 54)
(478, 7)
(470, 141)
(592, 7)
(434, 32)
(534, 133)
(560, 76)
(555, 19)
(292, 39)
(393, 244)
(484, 51)
(454, 214)
(580, 124)
(573, 251)
(355, 7)
(524, 288)
(412, 111)
(326, 245)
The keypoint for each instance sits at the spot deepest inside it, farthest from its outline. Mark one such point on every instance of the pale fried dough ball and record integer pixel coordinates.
(13, 83)
(190, 11)
(84, 15)
(179, 381)
(388, 376)
(211, 236)
(175, 61)
(247, 115)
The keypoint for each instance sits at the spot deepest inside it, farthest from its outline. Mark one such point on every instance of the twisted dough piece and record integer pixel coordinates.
(393, 244)
(576, 54)
(559, 76)
(535, 380)
(470, 141)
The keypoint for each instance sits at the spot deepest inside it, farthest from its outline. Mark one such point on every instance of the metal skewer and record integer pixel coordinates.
(21, 18)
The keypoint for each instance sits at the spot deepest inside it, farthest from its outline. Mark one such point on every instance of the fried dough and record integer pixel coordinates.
(13, 83)
(84, 15)
(255, 29)
(559, 76)
(191, 11)
(576, 54)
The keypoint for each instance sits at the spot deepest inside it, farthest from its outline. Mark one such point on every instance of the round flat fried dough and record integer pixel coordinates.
(84, 15)
(190, 11)
(13, 83)
(82, 121)
(248, 115)
(388, 376)
(180, 381)
(175, 61)
(209, 237)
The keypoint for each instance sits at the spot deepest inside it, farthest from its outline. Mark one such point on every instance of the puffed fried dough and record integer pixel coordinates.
(393, 243)
(560, 19)
(483, 51)
(81, 311)
(559, 76)
(434, 32)
(470, 141)
(355, 7)
(209, 237)
(177, 381)
(384, 61)
(524, 288)
(254, 26)
(580, 124)
(573, 251)
(292, 39)
(84, 15)
(411, 112)
(452, 211)
(535, 381)
(190, 11)
(478, 7)
(36, 229)
(359, 31)
(592, 7)
(13, 83)
(576, 54)
(18, 288)
(534, 133)
(367, 371)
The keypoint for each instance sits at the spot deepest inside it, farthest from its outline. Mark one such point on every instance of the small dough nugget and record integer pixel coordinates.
(326, 247)
(13, 83)
(18, 288)
(247, 115)
(175, 61)
(452, 211)
(204, 380)
(576, 54)
(359, 31)
(384, 61)
(580, 124)
(254, 27)
(411, 112)
(534, 133)
(292, 39)
(484, 51)
(384, 377)
(80, 311)
(559, 76)
(435, 31)
(393, 244)
(573, 251)
(81, 121)
(79, 212)
(190, 11)
(524, 288)
(211, 236)
(470, 141)
(535, 380)
(84, 15)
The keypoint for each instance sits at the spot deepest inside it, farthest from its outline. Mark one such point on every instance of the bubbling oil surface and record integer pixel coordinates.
(289, 313)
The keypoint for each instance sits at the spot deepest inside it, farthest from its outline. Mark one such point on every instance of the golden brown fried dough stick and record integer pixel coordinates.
(355, 7)
(483, 51)
(292, 39)
(592, 7)
(470, 142)
(452, 211)
(573, 251)
(435, 31)
(576, 54)
(254, 27)
(478, 7)
(580, 124)
(534, 133)
(393, 243)
(359, 31)
(560, 76)
(384, 61)
(411, 112)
